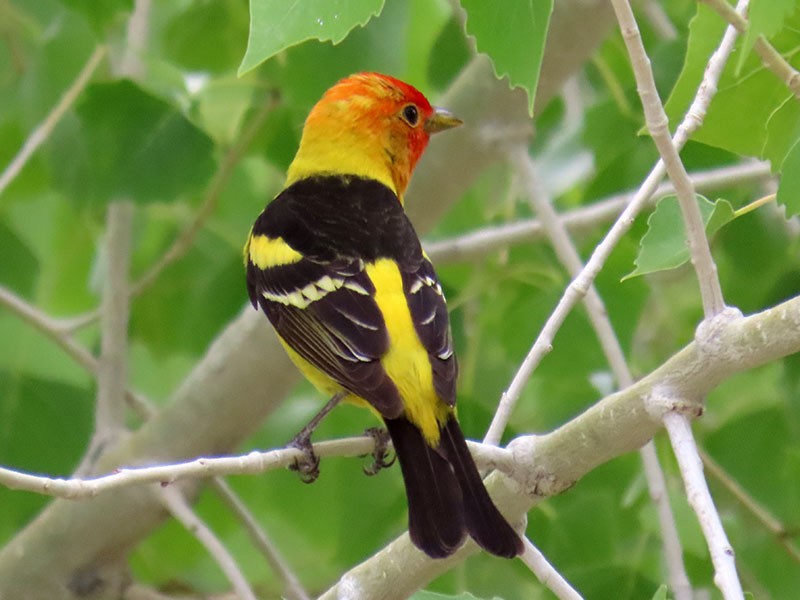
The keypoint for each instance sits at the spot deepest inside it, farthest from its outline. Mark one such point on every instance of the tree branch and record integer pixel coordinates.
(479, 242)
(540, 466)
(546, 574)
(179, 508)
(680, 434)
(577, 288)
(771, 58)
(658, 126)
(293, 589)
(252, 463)
(40, 134)
(780, 531)
(620, 423)
(112, 373)
(598, 317)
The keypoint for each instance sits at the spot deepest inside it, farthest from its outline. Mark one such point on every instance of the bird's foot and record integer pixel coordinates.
(380, 454)
(307, 467)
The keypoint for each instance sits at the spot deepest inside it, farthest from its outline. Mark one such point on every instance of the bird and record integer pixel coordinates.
(336, 266)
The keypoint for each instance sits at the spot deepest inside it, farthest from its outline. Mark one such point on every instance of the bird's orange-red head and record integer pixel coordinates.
(369, 125)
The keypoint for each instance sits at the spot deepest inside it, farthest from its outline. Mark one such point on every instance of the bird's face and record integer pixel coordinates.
(385, 122)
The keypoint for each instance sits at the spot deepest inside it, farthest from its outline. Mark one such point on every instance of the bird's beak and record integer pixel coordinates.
(440, 120)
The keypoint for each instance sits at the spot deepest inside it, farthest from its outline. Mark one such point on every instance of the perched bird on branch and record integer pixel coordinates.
(335, 264)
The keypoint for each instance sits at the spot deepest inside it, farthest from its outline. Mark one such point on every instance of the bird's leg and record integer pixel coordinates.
(380, 453)
(308, 466)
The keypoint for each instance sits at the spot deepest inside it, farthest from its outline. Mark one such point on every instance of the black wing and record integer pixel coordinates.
(429, 312)
(337, 327)
(323, 304)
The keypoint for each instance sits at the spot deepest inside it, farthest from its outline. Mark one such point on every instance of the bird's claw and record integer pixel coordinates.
(306, 467)
(380, 454)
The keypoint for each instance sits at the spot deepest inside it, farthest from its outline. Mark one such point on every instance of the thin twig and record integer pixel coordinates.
(680, 435)
(479, 242)
(673, 551)
(45, 128)
(131, 64)
(598, 317)
(546, 574)
(576, 290)
(112, 372)
(658, 19)
(658, 126)
(771, 58)
(54, 331)
(112, 366)
(755, 204)
(293, 589)
(177, 505)
(762, 515)
(254, 462)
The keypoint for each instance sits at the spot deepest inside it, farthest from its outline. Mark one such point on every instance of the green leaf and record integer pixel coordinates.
(789, 186)
(138, 146)
(34, 412)
(221, 24)
(512, 34)
(661, 593)
(276, 25)
(664, 245)
(753, 113)
(721, 215)
(766, 18)
(19, 267)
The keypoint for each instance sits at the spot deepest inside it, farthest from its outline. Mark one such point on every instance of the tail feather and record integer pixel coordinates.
(435, 506)
(484, 522)
(446, 496)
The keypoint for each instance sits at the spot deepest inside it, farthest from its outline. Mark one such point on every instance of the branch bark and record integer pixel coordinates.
(622, 422)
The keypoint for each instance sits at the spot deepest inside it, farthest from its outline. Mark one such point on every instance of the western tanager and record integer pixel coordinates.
(335, 264)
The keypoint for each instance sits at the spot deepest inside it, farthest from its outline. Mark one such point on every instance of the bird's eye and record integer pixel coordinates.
(411, 115)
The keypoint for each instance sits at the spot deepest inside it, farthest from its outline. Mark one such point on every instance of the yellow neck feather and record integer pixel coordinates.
(338, 140)
(339, 157)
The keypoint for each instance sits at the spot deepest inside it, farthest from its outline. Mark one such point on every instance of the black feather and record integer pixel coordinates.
(484, 522)
(435, 506)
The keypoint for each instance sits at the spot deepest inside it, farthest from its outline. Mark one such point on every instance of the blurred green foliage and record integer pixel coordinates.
(160, 138)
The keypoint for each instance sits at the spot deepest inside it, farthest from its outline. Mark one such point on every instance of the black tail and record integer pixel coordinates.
(446, 496)
(435, 507)
(484, 522)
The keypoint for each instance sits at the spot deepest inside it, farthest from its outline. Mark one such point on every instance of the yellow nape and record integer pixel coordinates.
(265, 252)
(344, 138)
(407, 362)
(334, 159)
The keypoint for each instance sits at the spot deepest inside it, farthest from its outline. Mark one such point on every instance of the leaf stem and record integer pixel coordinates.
(754, 205)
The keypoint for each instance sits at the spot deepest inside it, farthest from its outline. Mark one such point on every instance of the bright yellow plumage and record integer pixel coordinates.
(265, 252)
(407, 362)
